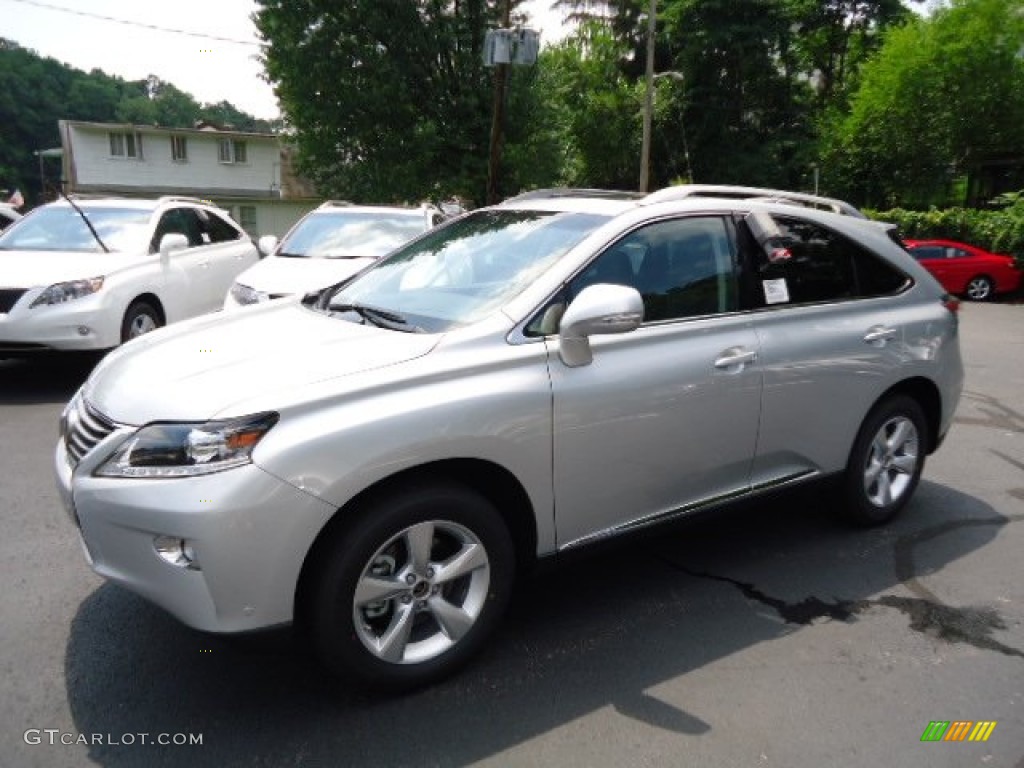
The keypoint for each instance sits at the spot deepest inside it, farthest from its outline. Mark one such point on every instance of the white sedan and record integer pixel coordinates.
(91, 274)
(327, 246)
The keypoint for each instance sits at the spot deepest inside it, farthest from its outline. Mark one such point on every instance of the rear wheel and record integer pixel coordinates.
(410, 590)
(140, 318)
(886, 461)
(979, 288)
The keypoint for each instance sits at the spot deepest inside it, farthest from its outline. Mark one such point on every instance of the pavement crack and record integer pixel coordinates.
(804, 612)
(995, 414)
(971, 625)
(903, 549)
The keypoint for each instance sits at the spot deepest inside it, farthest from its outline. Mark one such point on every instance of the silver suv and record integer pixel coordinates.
(378, 462)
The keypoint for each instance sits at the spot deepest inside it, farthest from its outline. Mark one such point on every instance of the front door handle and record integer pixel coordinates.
(735, 356)
(879, 334)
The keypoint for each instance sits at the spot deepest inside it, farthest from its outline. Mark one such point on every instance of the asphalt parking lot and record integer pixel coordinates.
(767, 635)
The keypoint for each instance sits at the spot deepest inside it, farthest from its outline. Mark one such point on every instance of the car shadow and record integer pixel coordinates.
(598, 631)
(45, 378)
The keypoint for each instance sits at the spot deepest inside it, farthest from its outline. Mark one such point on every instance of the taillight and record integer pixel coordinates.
(952, 303)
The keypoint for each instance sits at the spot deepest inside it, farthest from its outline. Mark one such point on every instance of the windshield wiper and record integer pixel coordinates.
(88, 223)
(381, 318)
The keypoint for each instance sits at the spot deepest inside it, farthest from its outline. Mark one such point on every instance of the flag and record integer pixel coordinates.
(16, 200)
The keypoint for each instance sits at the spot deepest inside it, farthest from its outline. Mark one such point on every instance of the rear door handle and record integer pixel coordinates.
(879, 334)
(735, 356)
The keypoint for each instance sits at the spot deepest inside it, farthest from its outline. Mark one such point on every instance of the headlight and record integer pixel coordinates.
(58, 293)
(187, 450)
(243, 294)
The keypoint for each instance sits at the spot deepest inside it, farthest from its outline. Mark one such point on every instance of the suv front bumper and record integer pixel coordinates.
(249, 530)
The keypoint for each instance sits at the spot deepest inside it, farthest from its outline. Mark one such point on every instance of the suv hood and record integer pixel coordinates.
(286, 275)
(197, 369)
(28, 269)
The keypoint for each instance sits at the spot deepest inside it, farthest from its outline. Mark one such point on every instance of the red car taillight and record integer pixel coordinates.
(952, 303)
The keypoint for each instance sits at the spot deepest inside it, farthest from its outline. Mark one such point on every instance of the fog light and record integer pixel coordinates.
(176, 552)
(84, 330)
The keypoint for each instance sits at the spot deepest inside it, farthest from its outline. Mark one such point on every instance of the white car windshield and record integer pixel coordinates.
(61, 228)
(461, 272)
(351, 234)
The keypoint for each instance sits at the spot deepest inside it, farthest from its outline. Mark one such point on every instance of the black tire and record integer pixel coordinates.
(375, 549)
(885, 463)
(141, 317)
(980, 288)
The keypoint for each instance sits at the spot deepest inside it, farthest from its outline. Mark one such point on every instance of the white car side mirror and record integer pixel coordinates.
(172, 242)
(266, 245)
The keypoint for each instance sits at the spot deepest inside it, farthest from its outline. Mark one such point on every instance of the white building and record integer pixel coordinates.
(249, 174)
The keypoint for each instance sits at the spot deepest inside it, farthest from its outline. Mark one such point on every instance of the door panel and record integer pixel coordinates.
(652, 425)
(831, 332)
(666, 416)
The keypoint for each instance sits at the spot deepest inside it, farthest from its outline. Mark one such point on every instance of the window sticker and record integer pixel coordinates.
(775, 291)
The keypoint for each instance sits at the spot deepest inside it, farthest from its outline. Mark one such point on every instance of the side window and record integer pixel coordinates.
(927, 252)
(215, 229)
(813, 264)
(681, 267)
(181, 221)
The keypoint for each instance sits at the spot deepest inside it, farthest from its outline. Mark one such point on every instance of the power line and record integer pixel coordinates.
(130, 23)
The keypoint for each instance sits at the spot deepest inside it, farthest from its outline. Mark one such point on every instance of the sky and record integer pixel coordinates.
(211, 70)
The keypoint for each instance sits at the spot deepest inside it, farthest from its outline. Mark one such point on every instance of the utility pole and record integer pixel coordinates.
(645, 145)
(498, 116)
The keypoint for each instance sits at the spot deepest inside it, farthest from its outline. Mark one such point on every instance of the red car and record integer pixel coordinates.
(966, 270)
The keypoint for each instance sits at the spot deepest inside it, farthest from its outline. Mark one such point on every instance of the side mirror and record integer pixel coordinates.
(172, 242)
(266, 245)
(599, 309)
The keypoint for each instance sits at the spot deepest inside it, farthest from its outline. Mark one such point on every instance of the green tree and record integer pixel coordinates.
(942, 93)
(389, 101)
(584, 123)
(37, 92)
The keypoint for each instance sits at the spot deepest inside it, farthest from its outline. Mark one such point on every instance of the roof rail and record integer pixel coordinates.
(335, 204)
(182, 199)
(555, 192)
(727, 191)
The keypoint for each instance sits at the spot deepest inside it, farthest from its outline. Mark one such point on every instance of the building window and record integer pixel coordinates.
(179, 148)
(231, 151)
(247, 218)
(125, 144)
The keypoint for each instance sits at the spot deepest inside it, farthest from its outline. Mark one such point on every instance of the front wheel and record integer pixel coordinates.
(140, 318)
(886, 461)
(410, 590)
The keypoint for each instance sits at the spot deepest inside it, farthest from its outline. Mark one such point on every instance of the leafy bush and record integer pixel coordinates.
(1000, 231)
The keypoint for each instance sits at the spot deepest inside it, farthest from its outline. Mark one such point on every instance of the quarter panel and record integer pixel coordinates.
(821, 377)
(484, 400)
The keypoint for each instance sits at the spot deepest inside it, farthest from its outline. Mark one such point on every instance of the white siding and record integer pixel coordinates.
(272, 217)
(201, 172)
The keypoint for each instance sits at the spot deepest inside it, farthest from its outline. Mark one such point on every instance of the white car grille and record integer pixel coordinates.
(84, 427)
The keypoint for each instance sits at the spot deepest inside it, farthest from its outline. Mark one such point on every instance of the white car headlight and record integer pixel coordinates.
(188, 449)
(58, 293)
(243, 294)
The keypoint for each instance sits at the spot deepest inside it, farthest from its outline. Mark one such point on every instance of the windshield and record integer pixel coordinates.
(60, 228)
(460, 273)
(347, 234)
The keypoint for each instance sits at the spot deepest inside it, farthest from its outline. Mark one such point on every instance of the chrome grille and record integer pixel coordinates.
(84, 429)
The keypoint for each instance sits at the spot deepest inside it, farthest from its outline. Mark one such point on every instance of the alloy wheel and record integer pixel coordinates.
(421, 592)
(891, 461)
